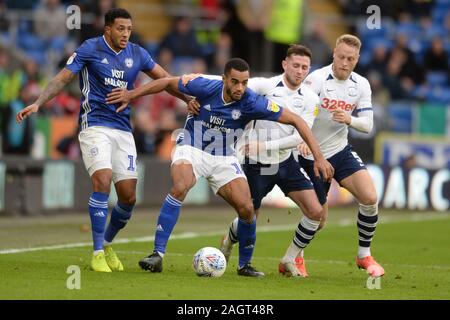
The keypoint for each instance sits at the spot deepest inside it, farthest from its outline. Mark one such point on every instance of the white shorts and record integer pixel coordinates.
(107, 148)
(218, 170)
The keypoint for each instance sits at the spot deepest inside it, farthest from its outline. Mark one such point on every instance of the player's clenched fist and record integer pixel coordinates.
(341, 116)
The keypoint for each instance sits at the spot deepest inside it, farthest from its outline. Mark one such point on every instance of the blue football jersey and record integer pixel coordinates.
(218, 126)
(103, 69)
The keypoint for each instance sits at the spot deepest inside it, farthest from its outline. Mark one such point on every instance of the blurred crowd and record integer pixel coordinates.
(406, 59)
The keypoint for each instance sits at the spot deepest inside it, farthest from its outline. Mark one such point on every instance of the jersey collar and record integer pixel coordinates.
(282, 83)
(106, 42)
(331, 76)
(223, 100)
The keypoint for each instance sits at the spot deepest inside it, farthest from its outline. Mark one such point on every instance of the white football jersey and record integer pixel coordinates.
(348, 95)
(280, 138)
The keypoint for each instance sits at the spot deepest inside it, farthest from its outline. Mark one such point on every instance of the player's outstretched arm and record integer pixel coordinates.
(321, 165)
(157, 73)
(51, 90)
(124, 96)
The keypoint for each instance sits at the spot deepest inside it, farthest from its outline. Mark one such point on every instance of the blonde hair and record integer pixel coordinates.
(349, 40)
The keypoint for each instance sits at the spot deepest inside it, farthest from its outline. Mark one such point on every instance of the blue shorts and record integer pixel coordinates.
(289, 177)
(345, 163)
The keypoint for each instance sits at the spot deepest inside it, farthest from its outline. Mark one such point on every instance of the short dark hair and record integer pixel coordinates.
(115, 13)
(298, 49)
(236, 64)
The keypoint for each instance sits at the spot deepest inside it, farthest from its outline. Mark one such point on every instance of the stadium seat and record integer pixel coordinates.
(400, 115)
(439, 95)
(152, 48)
(30, 42)
(38, 56)
(436, 78)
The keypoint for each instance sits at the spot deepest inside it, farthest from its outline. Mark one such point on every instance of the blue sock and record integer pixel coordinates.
(246, 233)
(167, 219)
(98, 211)
(120, 215)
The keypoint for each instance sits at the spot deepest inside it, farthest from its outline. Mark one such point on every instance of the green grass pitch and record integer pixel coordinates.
(413, 248)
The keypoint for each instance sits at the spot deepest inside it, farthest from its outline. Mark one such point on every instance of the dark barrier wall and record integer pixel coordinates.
(31, 187)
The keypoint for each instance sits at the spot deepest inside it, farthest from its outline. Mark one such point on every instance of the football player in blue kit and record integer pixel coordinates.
(107, 145)
(205, 148)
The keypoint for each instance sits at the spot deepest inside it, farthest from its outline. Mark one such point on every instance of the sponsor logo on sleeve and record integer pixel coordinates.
(272, 106)
(72, 57)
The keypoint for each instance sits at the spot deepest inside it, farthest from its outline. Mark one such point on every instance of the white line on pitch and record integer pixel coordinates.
(189, 235)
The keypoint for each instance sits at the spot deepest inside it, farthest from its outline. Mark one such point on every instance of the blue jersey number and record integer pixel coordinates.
(238, 169)
(131, 167)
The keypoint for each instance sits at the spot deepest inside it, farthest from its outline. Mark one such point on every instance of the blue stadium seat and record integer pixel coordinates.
(366, 34)
(436, 78)
(410, 29)
(30, 42)
(400, 116)
(439, 95)
(38, 56)
(152, 48)
(439, 13)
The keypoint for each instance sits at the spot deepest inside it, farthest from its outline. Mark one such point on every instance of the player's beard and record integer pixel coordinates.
(293, 81)
(232, 96)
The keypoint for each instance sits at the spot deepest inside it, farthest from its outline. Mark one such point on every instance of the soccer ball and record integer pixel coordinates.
(209, 262)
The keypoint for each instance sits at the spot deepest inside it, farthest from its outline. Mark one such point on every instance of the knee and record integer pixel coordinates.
(101, 183)
(180, 190)
(128, 200)
(316, 213)
(369, 200)
(246, 211)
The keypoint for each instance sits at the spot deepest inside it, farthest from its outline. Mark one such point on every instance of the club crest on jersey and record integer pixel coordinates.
(129, 62)
(272, 106)
(352, 92)
(297, 102)
(94, 151)
(235, 114)
(72, 57)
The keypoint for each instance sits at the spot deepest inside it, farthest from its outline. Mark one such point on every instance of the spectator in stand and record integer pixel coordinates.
(254, 16)
(17, 138)
(316, 41)
(399, 88)
(410, 70)
(4, 22)
(436, 58)
(180, 42)
(222, 53)
(11, 78)
(97, 9)
(50, 20)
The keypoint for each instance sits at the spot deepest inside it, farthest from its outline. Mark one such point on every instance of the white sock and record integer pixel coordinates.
(301, 253)
(96, 252)
(106, 243)
(161, 254)
(292, 252)
(363, 252)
